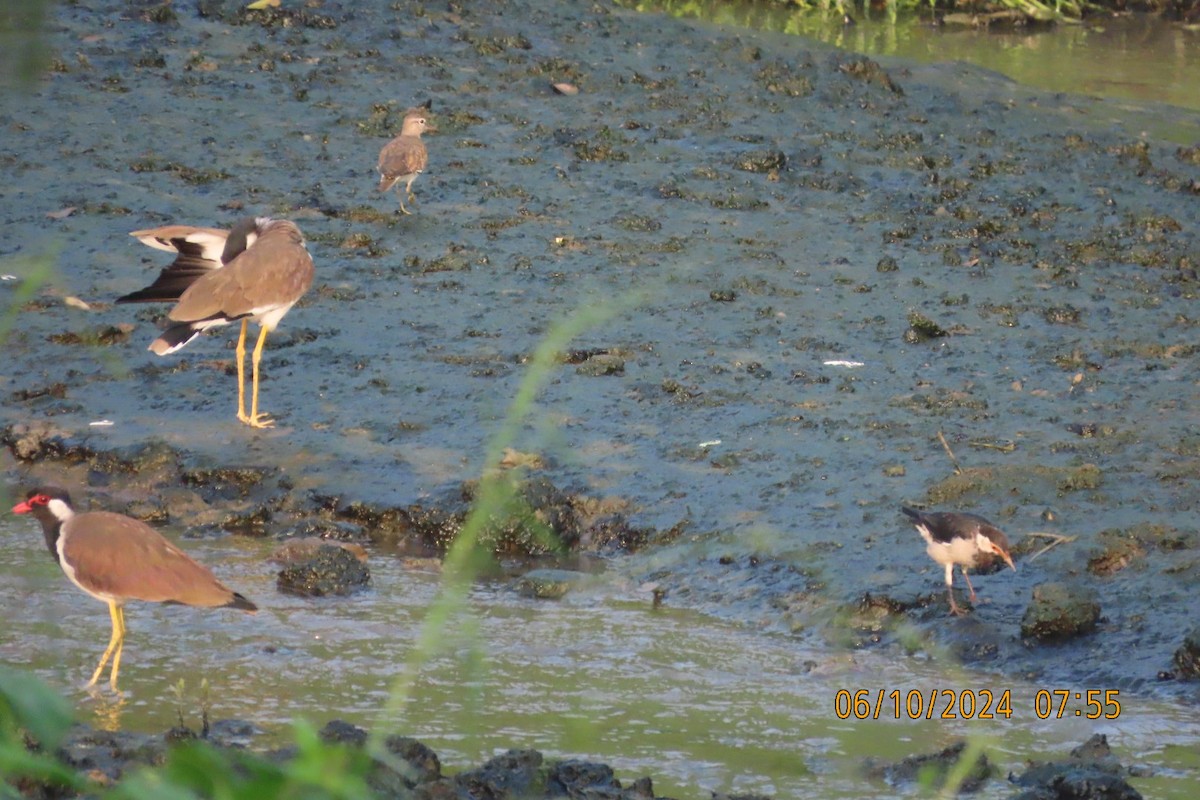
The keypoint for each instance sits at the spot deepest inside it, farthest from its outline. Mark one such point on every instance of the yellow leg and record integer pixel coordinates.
(256, 420)
(241, 367)
(411, 197)
(115, 644)
(112, 681)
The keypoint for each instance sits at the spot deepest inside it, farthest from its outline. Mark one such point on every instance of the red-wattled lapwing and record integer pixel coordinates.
(116, 558)
(405, 157)
(956, 538)
(256, 274)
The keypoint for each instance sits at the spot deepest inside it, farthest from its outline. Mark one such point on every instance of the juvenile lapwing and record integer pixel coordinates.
(262, 269)
(957, 538)
(115, 559)
(405, 157)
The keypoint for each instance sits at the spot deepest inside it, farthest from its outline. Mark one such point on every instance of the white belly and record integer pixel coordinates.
(959, 551)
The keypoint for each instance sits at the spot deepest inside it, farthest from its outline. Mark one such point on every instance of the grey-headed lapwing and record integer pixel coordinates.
(255, 272)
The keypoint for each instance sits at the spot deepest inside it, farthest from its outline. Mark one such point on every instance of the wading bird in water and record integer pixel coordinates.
(115, 559)
(957, 538)
(255, 272)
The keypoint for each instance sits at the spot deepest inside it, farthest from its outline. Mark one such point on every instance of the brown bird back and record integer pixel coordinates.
(273, 273)
(118, 556)
(406, 154)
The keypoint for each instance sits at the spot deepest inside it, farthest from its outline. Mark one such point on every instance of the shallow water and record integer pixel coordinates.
(697, 704)
(1141, 57)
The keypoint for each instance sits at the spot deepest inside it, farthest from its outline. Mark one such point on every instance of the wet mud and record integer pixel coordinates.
(815, 265)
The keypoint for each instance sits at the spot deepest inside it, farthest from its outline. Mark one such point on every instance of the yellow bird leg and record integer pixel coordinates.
(255, 419)
(112, 681)
(241, 368)
(114, 644)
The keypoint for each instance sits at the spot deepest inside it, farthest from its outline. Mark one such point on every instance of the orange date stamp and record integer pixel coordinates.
(949, 704)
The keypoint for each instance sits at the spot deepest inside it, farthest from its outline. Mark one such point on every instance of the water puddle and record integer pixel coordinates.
(697, 704)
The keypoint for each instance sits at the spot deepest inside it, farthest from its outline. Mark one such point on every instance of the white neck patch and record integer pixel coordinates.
(61, 511)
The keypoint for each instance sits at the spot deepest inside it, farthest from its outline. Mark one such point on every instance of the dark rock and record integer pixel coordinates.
(1187, 657)
(866, 70)
(641, 789)
(1086, 476)
(580, 355)
(408, 769)
(148, 511)
(252, 523)
(914, 768)
(574, 778)
(407, 765)
(325, 530)
(601, 365)
(423, 764)
(110, 753)
(778, 77)
(332, 571)
(764, 161)
(538, 520)
(154, 460)
(922, 327)
(638, 223)
(1062, 315)
(547, 584)
(31, 443)
(864, 622)
(180, 734)
(1060, 611)
(1091, 772)
(1118, 553)
(1096, 749)
(233, 732)
(514, 774)
(58, 391)
(295, 551)
(339, 732)
(225, 483)
(105, 335)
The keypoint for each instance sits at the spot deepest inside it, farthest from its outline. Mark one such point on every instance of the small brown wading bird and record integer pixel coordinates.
(255, 272)
(954, 538)
(115, 559)
(404, 158)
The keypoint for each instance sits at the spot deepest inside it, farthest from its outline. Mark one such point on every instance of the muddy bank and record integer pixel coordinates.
(407, 768)
(1005, 267)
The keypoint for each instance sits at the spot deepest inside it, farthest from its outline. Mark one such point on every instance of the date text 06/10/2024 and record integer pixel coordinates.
(972, 704)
